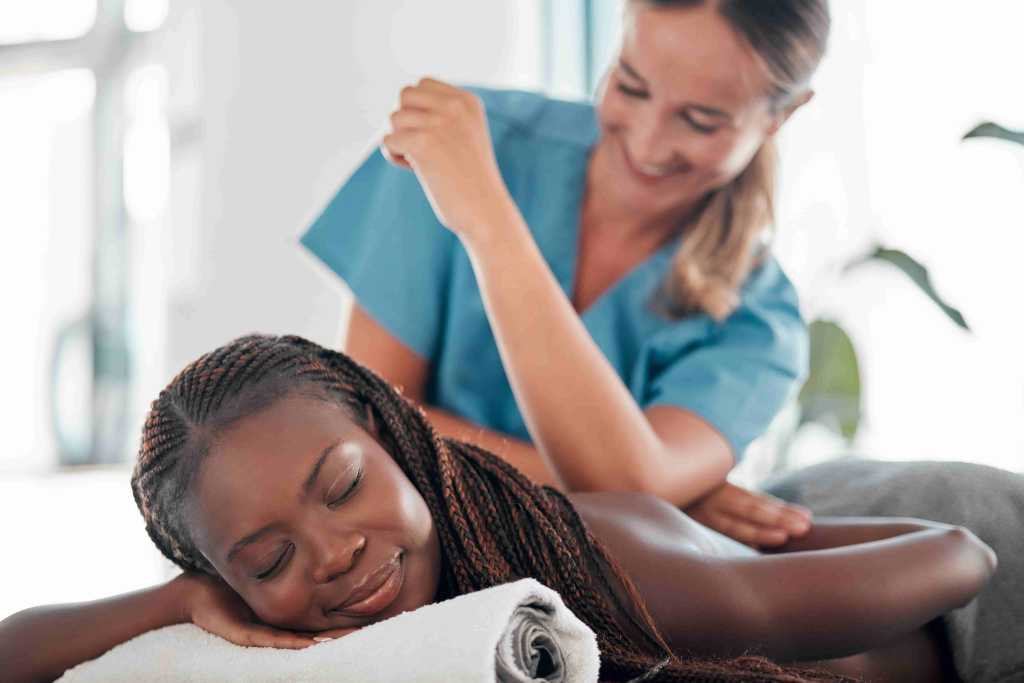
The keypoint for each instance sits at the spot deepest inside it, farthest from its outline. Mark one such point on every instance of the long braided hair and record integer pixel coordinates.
(494, 525)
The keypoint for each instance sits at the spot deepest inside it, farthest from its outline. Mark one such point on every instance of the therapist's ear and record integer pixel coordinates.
(783, 116)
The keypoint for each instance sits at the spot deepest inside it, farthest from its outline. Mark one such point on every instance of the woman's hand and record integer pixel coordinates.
(440, 132)
(214, 606)
(753, 518)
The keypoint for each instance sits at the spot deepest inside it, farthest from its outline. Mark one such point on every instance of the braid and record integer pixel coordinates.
(493, 524)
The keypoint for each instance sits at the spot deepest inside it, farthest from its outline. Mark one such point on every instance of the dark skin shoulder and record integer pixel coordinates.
(855, 595)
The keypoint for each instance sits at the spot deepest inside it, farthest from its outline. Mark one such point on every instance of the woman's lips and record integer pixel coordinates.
(640, 176)
(377, 591)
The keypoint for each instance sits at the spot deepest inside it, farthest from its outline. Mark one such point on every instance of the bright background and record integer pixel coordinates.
(159, 158)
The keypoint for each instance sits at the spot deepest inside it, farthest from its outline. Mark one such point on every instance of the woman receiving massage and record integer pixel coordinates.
(305, 497)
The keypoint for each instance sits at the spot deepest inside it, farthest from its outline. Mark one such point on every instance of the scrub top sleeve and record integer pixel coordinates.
(740, 376)
(380, 235)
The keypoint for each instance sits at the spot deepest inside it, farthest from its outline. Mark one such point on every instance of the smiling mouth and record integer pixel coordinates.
(376, 591)
(642, 174)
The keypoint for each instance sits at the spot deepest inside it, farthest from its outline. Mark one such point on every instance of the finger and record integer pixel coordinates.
(396, 159)
(744, 531)
(433, 95)
(439, 86)
(764, 511)
(797, 520)
(410, 119)
(333, 633)
(259, 635)
(420, 97)
(768, 537)
(404, 144)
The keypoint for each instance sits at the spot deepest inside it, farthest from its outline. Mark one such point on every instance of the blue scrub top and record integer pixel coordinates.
(413, 277)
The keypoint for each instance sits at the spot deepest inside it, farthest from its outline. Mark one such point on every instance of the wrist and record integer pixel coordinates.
(498, 223)
(177, 596)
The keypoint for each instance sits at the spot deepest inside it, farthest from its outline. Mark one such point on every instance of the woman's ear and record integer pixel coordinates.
(783, 116)
(372, 421)
(378, 430)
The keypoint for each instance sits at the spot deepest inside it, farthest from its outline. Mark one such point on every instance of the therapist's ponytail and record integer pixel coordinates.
(729, 237)
(731, 234)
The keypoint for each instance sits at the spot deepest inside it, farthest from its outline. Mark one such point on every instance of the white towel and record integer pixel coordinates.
(520, 631)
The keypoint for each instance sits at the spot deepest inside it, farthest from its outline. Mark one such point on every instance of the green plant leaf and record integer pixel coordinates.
(916, 272)
(831, 395)
(994, 130)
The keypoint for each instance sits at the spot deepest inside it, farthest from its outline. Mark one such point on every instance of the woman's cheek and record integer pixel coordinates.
(719, 159)
(285, 603)
(612, 111)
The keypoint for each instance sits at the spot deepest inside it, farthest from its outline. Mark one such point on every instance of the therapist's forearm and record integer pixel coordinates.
(582, 419)
(518, 453)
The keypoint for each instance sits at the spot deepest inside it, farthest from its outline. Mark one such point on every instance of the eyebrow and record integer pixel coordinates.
(307, 486)
(704, 109)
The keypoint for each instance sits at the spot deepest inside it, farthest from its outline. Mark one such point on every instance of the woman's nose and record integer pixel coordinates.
(649, 144)
(337, 555)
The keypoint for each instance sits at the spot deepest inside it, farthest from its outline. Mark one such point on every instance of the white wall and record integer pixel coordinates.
(877, 155)
(293, 99)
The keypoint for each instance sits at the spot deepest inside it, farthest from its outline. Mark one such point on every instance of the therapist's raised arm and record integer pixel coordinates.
(370, 343)
(585, 424)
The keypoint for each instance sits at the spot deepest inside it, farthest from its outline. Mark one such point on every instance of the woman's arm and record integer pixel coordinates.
(836, 602)
(805, 605)
(41, 643)
(835, 532)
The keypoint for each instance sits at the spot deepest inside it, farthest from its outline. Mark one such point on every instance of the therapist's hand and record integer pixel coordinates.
(753, 518)
(440, 132)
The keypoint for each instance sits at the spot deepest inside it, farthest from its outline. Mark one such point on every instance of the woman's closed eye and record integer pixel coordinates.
(278, 563)
(334, 502)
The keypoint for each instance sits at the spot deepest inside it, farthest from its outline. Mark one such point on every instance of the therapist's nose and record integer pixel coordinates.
(336, 554)
(649, 143)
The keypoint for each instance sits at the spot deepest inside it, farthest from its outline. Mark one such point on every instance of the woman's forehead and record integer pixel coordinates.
(693, 53)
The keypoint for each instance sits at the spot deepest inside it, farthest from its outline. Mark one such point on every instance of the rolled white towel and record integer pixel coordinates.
(520, 631)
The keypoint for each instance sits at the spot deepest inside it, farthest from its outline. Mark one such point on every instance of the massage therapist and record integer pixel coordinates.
(595, 276)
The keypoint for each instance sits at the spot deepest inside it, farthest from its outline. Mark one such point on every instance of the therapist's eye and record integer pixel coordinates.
(698, 126)
(628, 91)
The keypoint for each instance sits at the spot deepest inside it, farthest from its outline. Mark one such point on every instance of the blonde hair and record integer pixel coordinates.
(728, 238)
(731, 232)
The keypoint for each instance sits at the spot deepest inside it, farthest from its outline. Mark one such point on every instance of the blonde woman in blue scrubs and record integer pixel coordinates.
(584, 289)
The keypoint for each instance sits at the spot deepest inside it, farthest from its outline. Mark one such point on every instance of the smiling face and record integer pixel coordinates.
(683, 109)
(311, 521)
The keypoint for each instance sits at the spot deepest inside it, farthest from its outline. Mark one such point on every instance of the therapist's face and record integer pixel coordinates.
(683, 107)
(311, 521)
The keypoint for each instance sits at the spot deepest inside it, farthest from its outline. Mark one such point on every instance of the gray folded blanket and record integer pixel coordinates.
(987, 635)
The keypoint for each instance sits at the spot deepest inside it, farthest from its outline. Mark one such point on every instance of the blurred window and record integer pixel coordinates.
(85, 172)
(25, 21)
